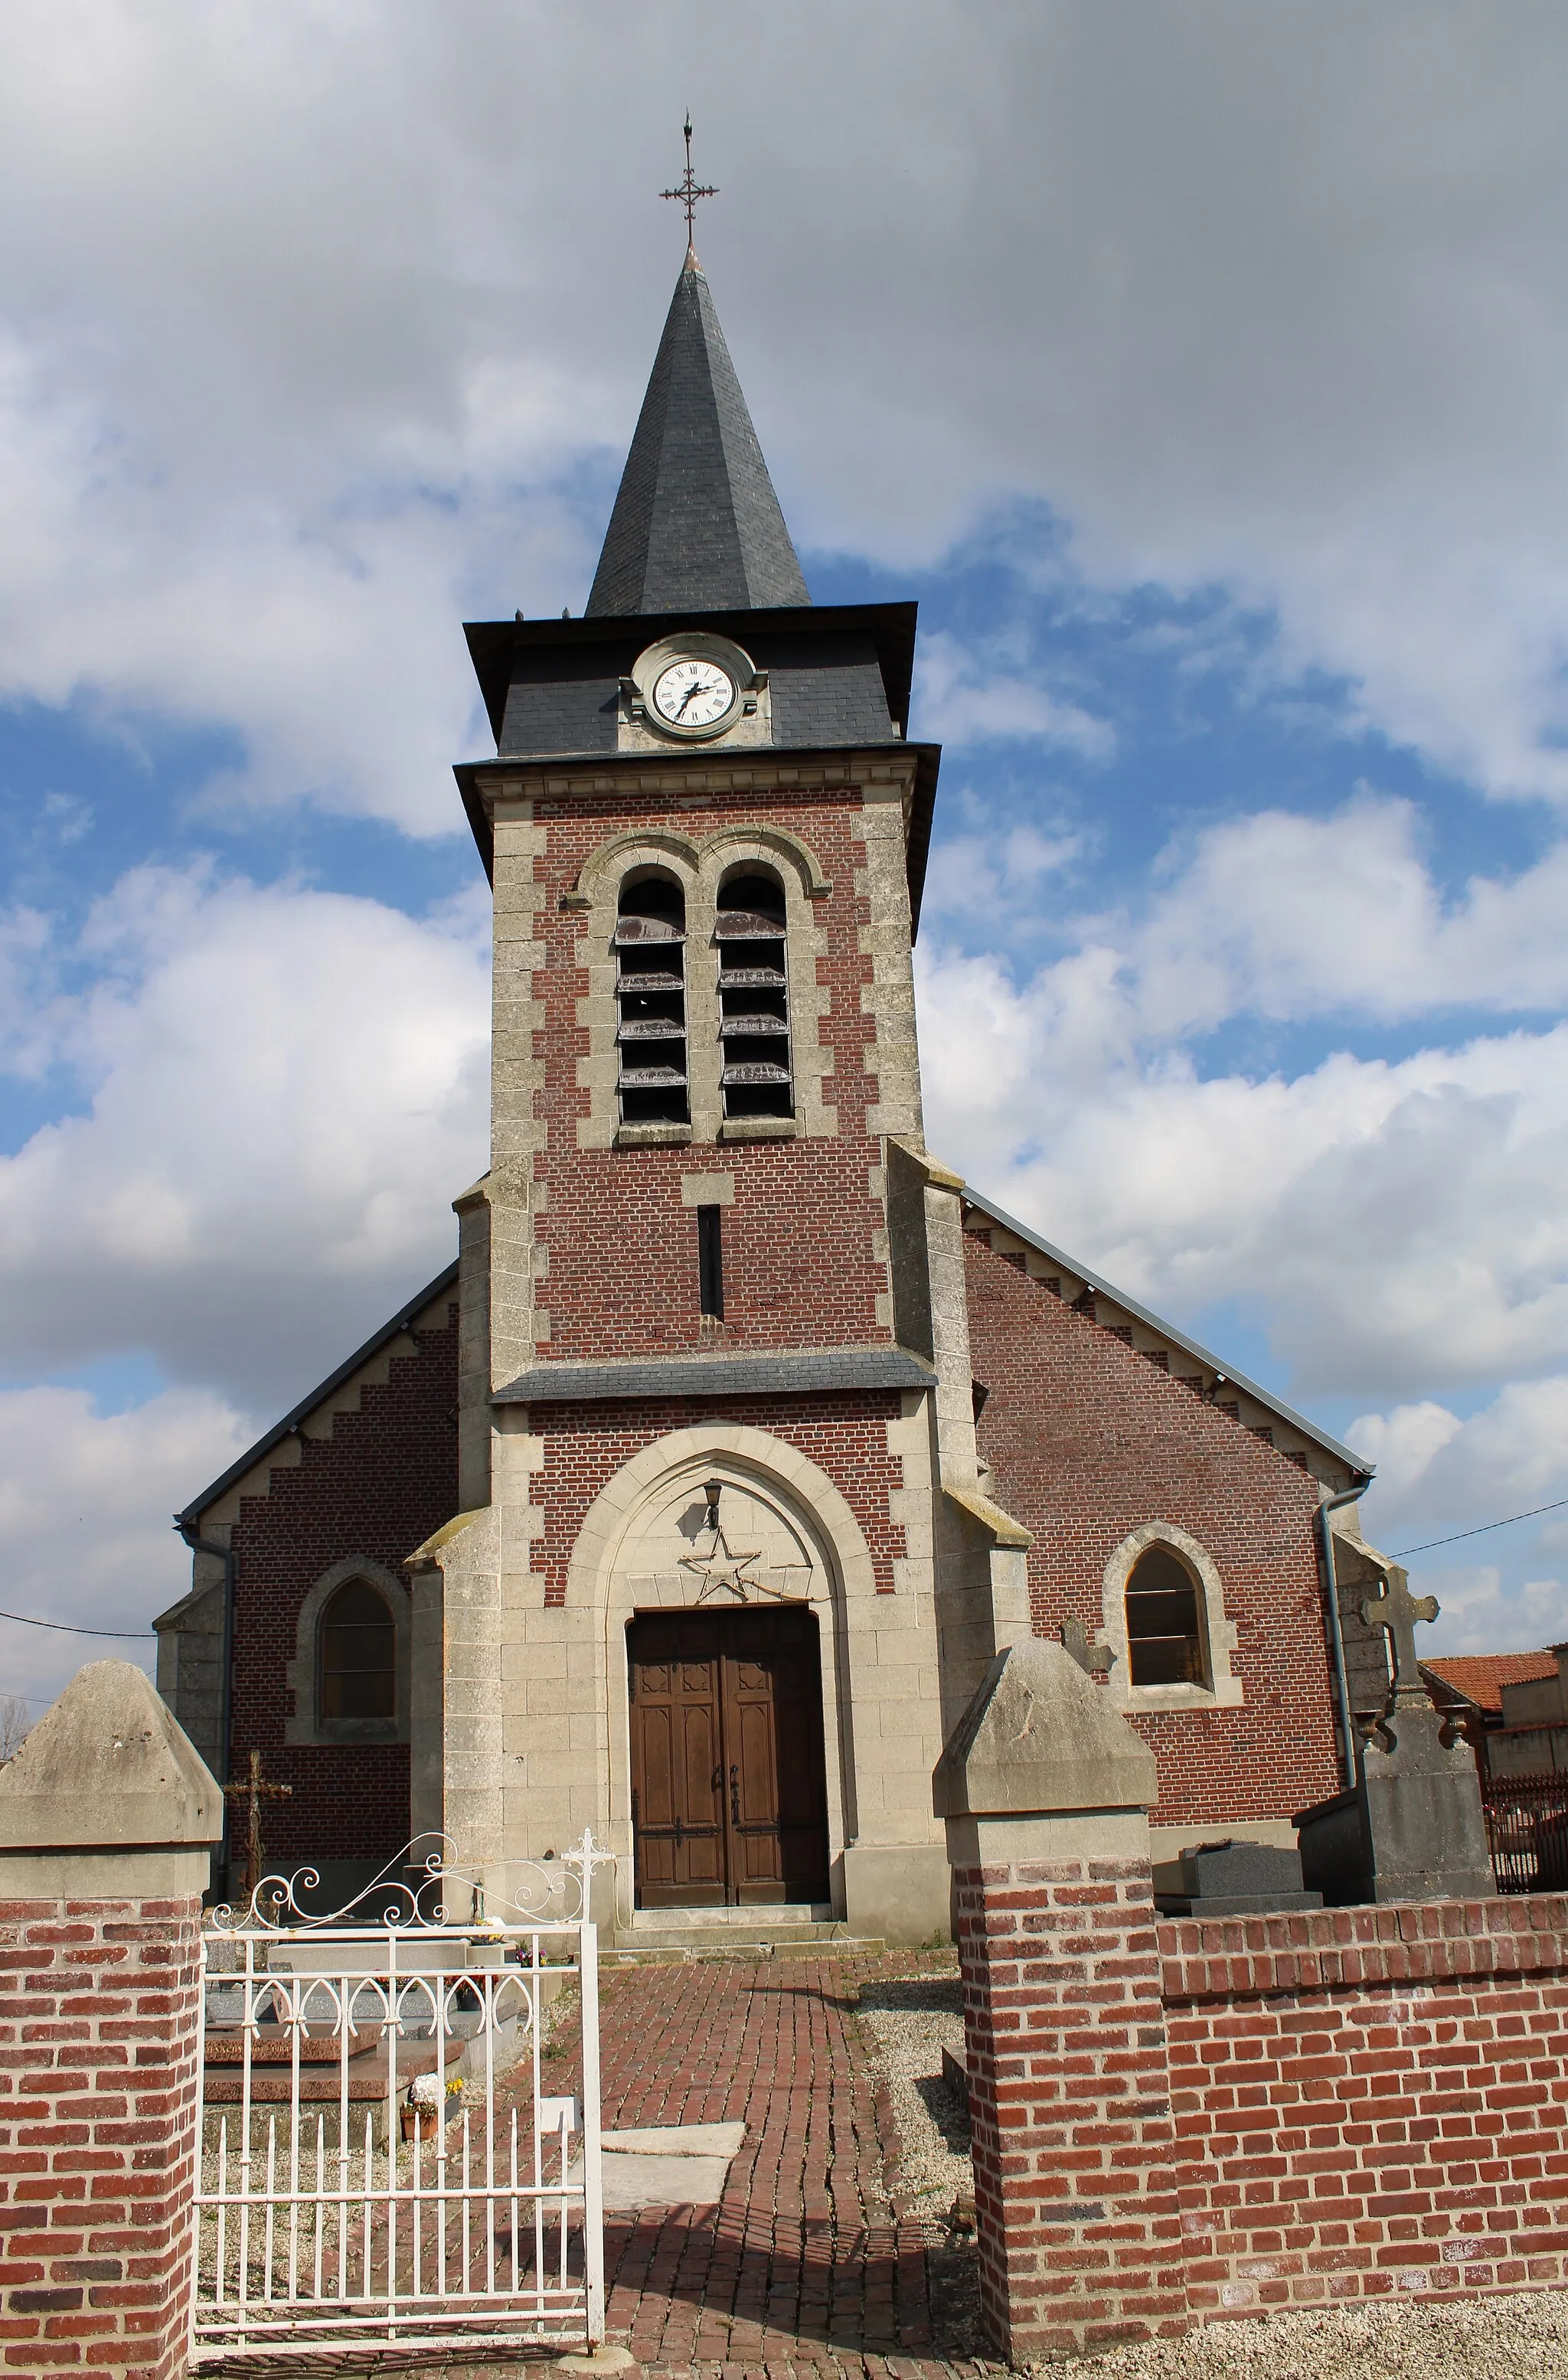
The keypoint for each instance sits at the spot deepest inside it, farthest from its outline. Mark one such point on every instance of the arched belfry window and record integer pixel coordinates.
(650, 988)
(1165, 1630)
(357, 1655)
(754, 997)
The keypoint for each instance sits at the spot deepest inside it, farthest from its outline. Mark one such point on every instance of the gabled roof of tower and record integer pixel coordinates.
(695, 523)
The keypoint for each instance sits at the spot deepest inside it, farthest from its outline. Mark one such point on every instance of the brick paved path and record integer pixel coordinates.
(805, 2265)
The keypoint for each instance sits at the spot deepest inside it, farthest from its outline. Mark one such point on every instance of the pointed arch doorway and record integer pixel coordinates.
(728, 1769)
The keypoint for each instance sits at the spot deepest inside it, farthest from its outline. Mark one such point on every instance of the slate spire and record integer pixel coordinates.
(697, 526)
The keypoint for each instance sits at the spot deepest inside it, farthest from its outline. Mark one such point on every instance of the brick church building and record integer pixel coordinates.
(692, 1501)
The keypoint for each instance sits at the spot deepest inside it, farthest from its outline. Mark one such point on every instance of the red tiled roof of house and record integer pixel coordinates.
(1481, 1677)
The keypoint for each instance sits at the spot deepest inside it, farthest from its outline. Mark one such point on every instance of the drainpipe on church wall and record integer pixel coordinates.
(200, 1545)
(1331, 1587)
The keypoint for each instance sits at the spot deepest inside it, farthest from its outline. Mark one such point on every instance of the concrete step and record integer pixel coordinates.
(768, 1916)
(673, 1944)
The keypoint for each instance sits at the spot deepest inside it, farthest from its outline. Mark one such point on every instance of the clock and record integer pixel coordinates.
(694, 686)
(694, 693)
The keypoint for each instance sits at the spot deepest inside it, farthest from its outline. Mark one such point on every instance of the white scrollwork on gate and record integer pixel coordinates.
(385, 2158)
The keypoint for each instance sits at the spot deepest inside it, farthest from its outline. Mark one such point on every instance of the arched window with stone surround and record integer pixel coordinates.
(752, 932)
(357, 1655)
(651, 996)
(1166, 1637)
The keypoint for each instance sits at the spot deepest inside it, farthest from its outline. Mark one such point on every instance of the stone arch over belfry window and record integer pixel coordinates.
(1145, 1569)
(788, 882)
(314, 1719)
(700, 866)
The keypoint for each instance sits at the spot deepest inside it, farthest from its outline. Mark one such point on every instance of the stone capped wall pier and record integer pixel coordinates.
(1045, 1791)
(107, 1817)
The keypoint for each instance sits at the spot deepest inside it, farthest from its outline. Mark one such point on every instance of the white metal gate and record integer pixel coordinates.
(382, 2157)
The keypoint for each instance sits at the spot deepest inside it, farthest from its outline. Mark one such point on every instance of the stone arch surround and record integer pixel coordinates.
(603, 1577)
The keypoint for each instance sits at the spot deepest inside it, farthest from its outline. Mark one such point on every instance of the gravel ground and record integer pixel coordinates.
(1523, 2338)
(911, 2022)
(1516, 2338)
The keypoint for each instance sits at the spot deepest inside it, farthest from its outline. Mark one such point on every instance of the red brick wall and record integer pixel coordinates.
(98, 2111)
(798, 1263)
(1181, 2121)
(1371, 2100)
(383, 1481)
(1087, 1439)
(845, 1434)
(1078, 2230)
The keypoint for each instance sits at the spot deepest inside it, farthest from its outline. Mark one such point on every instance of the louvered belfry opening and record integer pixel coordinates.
(650, 987)
(754, 997)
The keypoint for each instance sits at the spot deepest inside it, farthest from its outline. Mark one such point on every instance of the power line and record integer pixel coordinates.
(1555, 1506)
(64, 1628)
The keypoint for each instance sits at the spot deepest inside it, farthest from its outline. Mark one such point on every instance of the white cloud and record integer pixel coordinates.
(1481, 1611)
(284, 1090)
(1509, 1458)
(1283, 917)
(85, 1506)
(961, 697)
(996, 878)
(1397, 1225)
(1264, 298)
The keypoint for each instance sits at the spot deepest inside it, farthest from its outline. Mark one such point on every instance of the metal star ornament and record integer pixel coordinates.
(726, 1576)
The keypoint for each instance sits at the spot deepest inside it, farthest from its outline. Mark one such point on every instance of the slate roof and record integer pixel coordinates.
(789, 1372)
(695, 522)
(1480, 1677)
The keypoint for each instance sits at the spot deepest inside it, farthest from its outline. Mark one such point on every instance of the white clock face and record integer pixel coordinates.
(693, 693)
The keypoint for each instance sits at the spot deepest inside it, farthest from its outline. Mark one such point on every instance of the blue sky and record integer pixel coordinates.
(1203, 387)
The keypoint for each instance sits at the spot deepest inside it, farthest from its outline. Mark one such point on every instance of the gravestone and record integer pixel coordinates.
(1232, 1879)
(1411, 1827)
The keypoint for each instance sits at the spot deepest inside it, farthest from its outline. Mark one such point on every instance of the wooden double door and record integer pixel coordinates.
(729, 1793)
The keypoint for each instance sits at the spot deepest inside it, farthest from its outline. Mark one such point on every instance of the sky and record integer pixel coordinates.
(1199, 368)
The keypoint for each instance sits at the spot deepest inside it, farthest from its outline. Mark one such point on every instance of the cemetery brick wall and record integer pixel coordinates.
(1179, 2123)
(1369, 2100)
(98, 2108)
(1087, 1440)
(382, 1482)
(845, 1434)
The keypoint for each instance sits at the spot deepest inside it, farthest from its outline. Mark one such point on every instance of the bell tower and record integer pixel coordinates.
(706, 832)
(699, 1302)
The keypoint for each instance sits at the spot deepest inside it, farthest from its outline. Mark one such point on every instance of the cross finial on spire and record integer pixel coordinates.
(688, 189)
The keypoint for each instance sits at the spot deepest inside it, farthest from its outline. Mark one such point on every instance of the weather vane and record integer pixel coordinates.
(689, 189)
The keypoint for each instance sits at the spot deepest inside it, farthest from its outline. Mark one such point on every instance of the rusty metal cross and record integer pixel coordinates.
(1397, 1610)
(688, 189)
(253, 1790)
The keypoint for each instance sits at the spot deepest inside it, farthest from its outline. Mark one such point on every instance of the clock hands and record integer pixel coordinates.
(695, 687)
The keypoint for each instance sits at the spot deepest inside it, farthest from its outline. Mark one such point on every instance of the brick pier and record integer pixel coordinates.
(98, 2110)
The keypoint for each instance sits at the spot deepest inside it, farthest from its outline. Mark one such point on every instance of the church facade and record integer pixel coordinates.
(690, 1504)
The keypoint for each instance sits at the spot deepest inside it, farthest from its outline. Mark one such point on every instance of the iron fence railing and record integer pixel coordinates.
(1527, 1831)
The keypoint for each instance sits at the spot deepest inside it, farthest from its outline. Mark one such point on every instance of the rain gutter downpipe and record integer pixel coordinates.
(1331, 1586)
(200, 1545)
